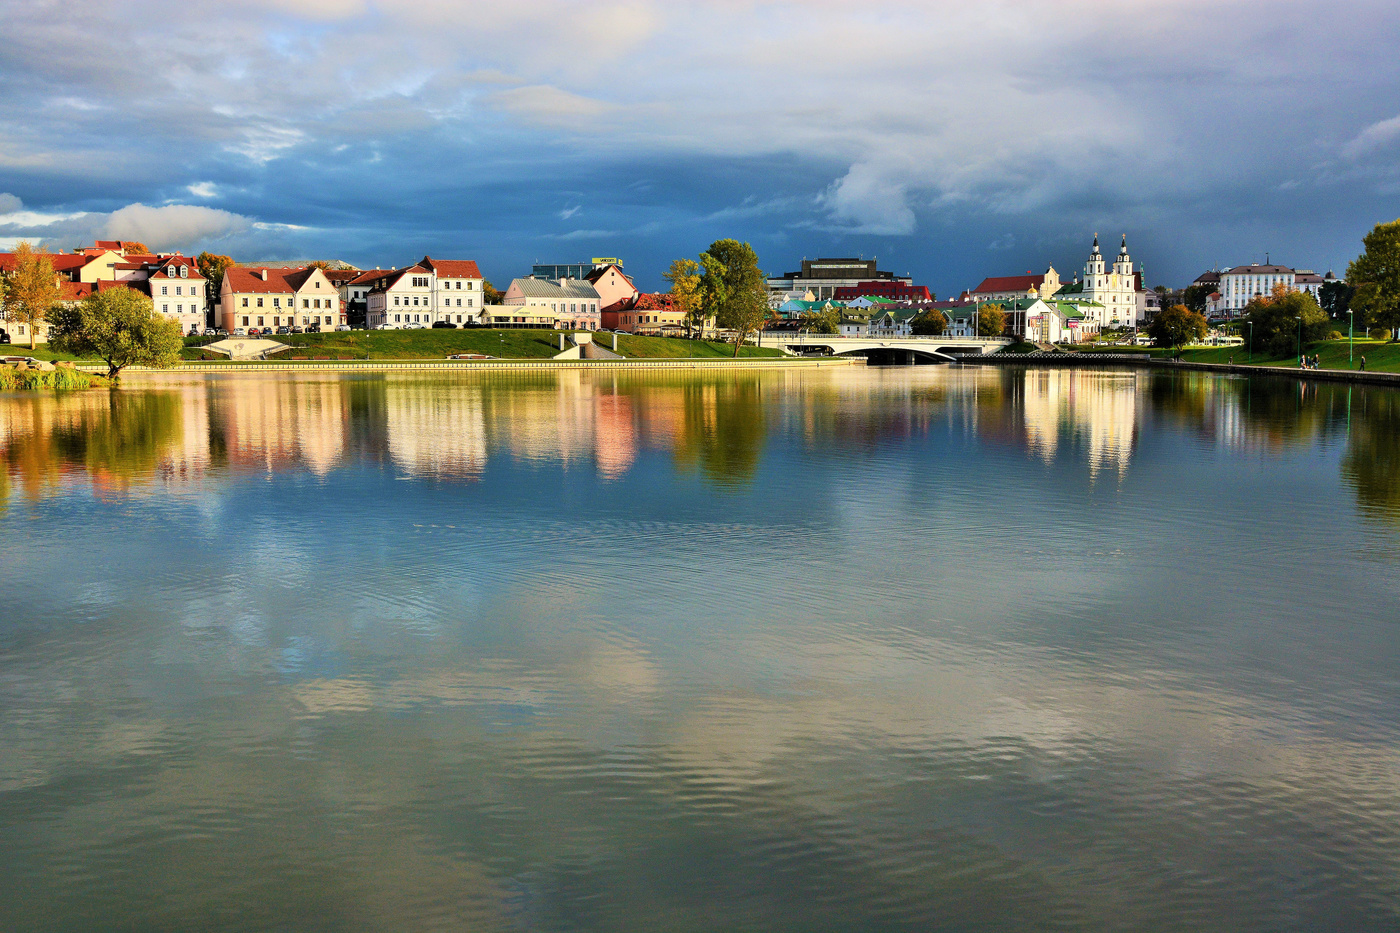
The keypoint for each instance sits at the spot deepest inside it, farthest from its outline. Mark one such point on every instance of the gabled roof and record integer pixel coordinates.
(162, 271)
(242, 280)
(369, 276)
(599, 271)
(391, 278)
(452, 268)
(1257, 270)
(1010, 283)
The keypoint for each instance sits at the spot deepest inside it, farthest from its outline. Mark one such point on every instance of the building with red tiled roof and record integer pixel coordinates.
(262, 298)
(1011, 287)
(434, 291)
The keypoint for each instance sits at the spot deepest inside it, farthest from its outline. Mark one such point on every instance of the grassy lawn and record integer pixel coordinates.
(40, 352)
(505, 344)
(1380, 356)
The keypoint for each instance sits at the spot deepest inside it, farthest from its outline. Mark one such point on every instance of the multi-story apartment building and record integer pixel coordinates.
(178, 291)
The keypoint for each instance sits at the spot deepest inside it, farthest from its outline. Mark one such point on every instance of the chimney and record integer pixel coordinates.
(264, 275)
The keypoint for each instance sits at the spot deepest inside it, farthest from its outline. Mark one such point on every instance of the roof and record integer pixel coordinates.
(368, 276)
(161, 271)
(1010, 283)
(599, 271)
(391, 278)
(1257, 270)
(452, 268)
(242, 280)
(553, 288)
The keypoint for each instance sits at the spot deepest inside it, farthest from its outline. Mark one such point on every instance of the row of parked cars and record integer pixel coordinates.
(262, 331)
(411, 325)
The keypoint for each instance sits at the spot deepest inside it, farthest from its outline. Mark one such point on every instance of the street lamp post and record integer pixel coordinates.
(1251, 340)
(1351, 336)
(1300, 339)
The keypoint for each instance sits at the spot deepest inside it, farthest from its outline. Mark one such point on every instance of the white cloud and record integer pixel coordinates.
(172, 226)
(1373, 137)
(9, 204)
(568, 212)
(202, 189)
(869, 200)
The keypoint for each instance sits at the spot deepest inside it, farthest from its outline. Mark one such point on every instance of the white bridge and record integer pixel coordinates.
(891, 349)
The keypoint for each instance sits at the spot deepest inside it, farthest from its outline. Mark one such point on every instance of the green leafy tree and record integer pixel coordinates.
(930, 323)
(737, 290)
(32, 290)
(1284, 317)
(1177, 326)
(1334, 299)
(684, 276)
(822, 322)
(991, 320)
(1375, 275)
(1195, 298)
(490, 293)
(119, 326)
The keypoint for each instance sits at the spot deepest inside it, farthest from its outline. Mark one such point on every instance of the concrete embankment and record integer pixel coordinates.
(1138, 359)
(466, 366)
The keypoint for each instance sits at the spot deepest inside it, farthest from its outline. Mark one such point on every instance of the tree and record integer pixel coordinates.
(1195, 298)
(822, 322)
(736, 289)
(1177, 326)
(684, 276)
(490, 293)
(1284, 317)
(32, 289)
(1335, 298)
(120, 326)
(991, 320)
(930, 323)
(1375, 275)
(135, 248)
(213, 266)
(322, 264)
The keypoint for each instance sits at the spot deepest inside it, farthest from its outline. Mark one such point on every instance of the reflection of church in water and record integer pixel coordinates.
(1073, 409)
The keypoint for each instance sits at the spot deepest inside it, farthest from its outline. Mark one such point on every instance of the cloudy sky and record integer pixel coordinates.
(951, 140)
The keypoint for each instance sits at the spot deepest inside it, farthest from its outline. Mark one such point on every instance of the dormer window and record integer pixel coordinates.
(184, 272)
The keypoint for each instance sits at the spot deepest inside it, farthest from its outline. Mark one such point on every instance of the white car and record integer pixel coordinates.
(386, 327)
(413, 325)
(239, 332)
(343, 327)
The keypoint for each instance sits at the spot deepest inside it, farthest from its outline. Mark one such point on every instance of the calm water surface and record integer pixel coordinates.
(906, 649)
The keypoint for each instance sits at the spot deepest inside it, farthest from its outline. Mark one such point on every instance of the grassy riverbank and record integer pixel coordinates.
(504, 344)
(1381, 356)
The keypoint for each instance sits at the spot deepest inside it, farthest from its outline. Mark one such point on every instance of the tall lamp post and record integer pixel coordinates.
(1300, 339)
(1251, 340)
(1351, 335)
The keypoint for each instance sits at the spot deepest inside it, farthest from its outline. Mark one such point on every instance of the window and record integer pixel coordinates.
(164, 308)
(459, 302)
(245, 317)
(318, 283)
(303, 319)
(259, 302)
(328, 318)
(245, 304)
(396, 319)
(469, 302)
(396, 301)
(415, 301)
(184, 272)
(260, 320)
(459, 286)
(277, 302)
(165, 289)
(469, 286)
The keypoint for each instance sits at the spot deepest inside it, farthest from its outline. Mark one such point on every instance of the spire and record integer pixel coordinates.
(1124, 250)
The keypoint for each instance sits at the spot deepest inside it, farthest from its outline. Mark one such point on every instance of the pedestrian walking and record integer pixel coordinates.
(1363, 364)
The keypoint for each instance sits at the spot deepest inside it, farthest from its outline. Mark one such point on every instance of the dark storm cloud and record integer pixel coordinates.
(950, 139)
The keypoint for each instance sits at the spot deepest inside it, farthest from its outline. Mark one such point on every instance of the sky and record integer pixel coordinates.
(949, 140)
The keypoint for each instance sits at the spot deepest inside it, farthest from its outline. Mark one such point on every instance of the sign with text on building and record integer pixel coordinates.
(606, 260)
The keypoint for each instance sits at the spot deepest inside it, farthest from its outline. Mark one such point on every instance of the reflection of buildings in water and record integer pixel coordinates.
(436, 428)
(186, 461)
(271, 422)
(1098, 409)
(616, 435)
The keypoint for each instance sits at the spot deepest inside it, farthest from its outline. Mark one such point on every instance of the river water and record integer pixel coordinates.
(930, 648)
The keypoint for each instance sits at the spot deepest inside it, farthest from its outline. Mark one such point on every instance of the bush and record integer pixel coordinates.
(62, 378)
(1380, 333)
(1335, 335)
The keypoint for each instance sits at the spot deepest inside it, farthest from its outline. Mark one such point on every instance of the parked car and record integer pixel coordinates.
(283, 330)
(386, 327)
(298, 329)
(343, 327)
(4, 336)
(414, 325)
(239, 332)
(444, 325)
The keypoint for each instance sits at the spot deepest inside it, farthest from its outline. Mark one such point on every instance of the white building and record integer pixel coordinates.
(1114, 290)
(429, 292)
(573, 304)
(179, 292)
(1241, 284)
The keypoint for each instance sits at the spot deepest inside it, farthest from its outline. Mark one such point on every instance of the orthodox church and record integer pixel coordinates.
(1114, 291)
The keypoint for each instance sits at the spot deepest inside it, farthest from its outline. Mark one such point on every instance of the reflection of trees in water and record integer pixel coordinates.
(1371, 465)
(114, 437)
(722, 430)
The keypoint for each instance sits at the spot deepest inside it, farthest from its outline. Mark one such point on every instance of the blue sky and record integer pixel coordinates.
(950, 140)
